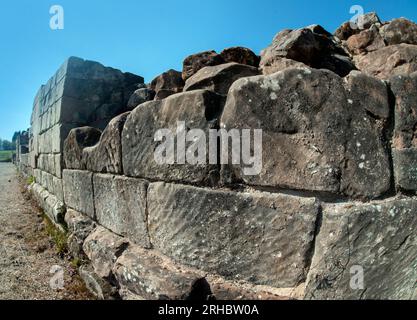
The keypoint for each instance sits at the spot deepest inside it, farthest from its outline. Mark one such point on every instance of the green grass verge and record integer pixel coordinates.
(6, 156)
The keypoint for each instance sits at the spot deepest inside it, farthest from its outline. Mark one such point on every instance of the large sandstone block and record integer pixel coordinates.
(312, 46)
(166, 84)
(389, 61)
(400, 31)
(52, 206)
(405, 138)
(259, 237)
(78, 191)
(240, 55)
(219, 78)
(106, 155)
(57, 188)
(153, 277)
(316, 136)
(120, 205)
(102, 248)
(147, 274)
(79, 228)
(378, 239)
(77, 140)
(193, 63)
(405, 168)
(52, 141)
(199, 109)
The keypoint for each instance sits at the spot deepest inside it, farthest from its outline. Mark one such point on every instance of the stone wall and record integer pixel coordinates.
(337, 189)
(80, 93)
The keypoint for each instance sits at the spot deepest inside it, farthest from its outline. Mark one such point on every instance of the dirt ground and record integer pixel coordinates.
(30, 266)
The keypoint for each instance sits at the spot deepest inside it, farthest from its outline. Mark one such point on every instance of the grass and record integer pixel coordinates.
(6, 156)
(58, 237)
(30, 180)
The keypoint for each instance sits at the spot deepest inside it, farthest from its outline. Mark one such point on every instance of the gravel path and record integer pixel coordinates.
(27, 253)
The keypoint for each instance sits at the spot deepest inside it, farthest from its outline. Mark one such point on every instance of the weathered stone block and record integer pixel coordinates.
(314, 137)
(120, 204)
(198, 109)
(219, 78)
(57, 188)
(389, 61)
(192, 64)
(240, 55)
(106, 155)
(58, 164)
(378, 239)
(152, 276)
(78, 191)
(99, 287)
(103, 248)
(229, 233)
(400, 31)
(140, 96)
(311, 46)
(405, 168)
(361, 85)
(55, 209)
(77, 140)
(79, 227)
(52, 141)
(405, 139)
(167, 84)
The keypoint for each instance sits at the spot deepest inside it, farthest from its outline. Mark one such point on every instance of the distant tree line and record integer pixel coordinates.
(6, 145)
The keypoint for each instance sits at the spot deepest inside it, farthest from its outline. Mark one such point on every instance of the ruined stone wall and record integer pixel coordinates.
(337, 189)
(80, 93)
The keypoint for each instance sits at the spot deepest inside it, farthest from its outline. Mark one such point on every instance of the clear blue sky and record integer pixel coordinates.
(145, 37)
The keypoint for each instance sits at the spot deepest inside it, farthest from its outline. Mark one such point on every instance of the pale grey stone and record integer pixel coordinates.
(120, 204)
(229, 233)
(78, 191)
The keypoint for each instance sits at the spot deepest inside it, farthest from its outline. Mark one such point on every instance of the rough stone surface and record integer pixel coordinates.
(405, 131)
(370, 93)
(140, 96)
(77, 140)
(219, 78)
(405, 92)
(316, 50)
(167, 84)
(405, 168)
(366, 41)
(240, 55)
(106, 155)
(314, 137)
(100, 288)
(120, 204)
(78, 191)
(152, 276)
(192, 64)
(228, 233)
(279, 64)
(79, 227)
(380, 238)
(199, 109)
(345, 31)
(102, 248)
(400, 31)
(389, 61)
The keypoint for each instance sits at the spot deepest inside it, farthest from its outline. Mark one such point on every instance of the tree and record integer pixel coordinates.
(7, 145)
